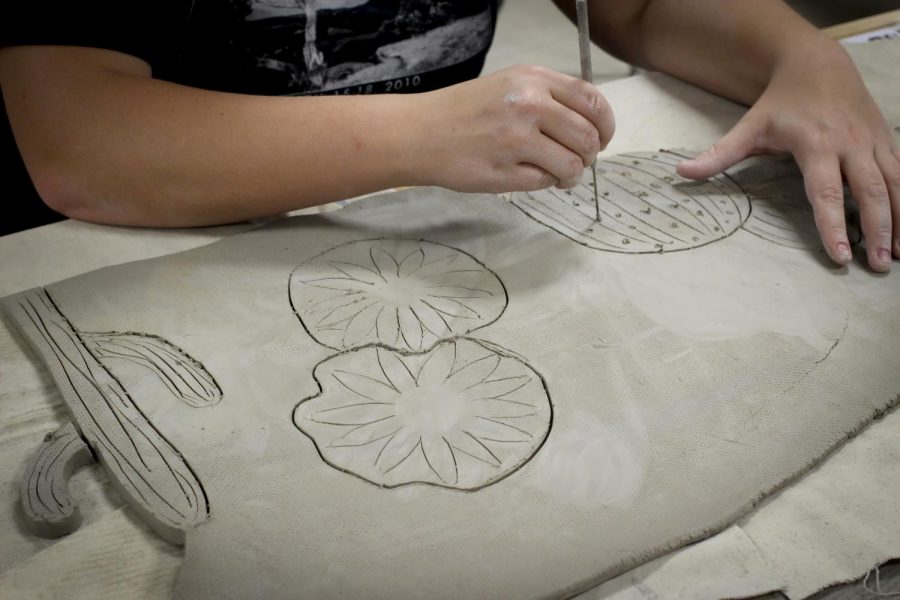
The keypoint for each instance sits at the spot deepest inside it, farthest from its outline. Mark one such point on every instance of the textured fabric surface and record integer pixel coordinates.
(834, 525)
(727, 565)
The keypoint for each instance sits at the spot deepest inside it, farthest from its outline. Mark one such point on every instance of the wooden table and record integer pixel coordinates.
(873, 23)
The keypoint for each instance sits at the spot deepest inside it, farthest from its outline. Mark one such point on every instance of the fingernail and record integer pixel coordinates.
(843, 253)
(884, 256)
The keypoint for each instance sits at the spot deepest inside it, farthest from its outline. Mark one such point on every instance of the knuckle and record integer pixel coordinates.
(877, 226)
(882, 226)
(524, 100)
(859, 135)
(716, 149)
(880, 234)
(837, 231)
(874, 192)
(892, 174)
(830, 197)
(590, 142)
(535, 71)
(581, 88)
(833, 229)
(599, 109)
(518, 70)
(824, 129)
(572, 167)
(597, 102)
(822, 135)
(545, 180)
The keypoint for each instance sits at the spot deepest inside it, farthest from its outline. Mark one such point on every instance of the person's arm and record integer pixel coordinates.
(808, 99)
(103, 141)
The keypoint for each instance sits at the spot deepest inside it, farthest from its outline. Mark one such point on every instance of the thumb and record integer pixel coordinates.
(737, 145)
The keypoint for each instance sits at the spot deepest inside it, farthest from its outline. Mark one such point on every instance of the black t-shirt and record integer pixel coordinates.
(269, 47)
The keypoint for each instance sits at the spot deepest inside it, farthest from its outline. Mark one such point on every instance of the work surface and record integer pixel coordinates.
(33, 409)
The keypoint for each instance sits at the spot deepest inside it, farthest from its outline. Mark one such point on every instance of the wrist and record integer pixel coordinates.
(368, 143)
(416, 139)
(812, 51)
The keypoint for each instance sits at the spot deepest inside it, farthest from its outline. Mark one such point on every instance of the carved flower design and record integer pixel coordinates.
(462, 415)
(403, 294)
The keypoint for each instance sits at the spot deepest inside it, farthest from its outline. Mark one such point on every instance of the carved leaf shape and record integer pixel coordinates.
(181, 373)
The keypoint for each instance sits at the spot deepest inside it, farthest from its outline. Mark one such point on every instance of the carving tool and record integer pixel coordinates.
(587, 73)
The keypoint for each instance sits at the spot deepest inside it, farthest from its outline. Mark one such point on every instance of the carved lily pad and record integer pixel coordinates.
(403, 294)
(459, 416)
(644, 206)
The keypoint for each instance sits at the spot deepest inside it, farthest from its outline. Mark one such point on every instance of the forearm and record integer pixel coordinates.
(114, 146)
(730, 47)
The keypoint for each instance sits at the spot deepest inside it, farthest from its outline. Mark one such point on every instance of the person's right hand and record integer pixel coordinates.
(524, 128)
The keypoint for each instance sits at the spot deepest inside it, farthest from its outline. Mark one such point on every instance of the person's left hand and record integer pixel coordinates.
(817, 108)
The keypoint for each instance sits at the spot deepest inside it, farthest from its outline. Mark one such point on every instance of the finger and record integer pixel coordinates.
(556, 159)
(586, 100)
(734, 147)
(530, 178)
(568, 184)
(868, 187)
(825, 190)
(571, 130)
(889, 163)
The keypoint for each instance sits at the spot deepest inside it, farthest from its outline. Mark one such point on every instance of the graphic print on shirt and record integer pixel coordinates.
(304, 47)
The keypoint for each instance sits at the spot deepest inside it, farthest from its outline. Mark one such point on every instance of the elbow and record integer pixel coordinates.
(60, 190)
(65, 188)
